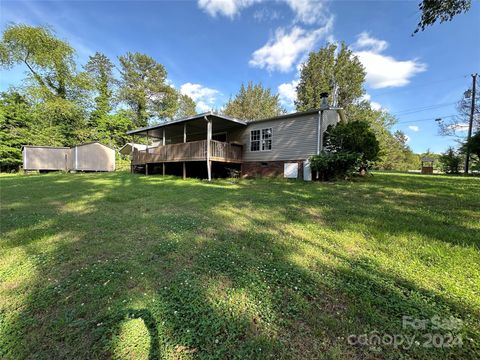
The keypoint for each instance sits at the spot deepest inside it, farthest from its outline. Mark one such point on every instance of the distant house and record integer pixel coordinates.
(92, 156)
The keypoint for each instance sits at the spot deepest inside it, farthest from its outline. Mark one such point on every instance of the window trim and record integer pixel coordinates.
(261, 140)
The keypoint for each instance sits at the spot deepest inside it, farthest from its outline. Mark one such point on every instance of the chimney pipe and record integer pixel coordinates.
(324, 101)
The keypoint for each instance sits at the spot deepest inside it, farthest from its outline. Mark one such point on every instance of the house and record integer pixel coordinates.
(92, 156)
(212, 145)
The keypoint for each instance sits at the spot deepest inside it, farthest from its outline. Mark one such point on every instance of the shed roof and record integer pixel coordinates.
(428, 159)
(93, 142)
(45, 147)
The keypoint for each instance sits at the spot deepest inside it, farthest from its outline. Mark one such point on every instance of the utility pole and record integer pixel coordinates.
(470, 125)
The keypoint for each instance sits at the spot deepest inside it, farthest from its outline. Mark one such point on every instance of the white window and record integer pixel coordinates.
(261, 140)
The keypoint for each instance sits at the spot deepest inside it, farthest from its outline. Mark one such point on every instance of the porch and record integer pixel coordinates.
(204, 138)
(189, 151)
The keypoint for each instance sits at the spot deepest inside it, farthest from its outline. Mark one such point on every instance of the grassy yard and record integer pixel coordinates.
(127, 266)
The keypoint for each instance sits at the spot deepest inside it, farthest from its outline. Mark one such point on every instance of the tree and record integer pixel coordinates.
(253, 102)
(22, 124)
(186, 106)
(450, 161)
(473, 147)
(144, 88)
(55, 89)
(50, 61)
(112, 128)
(330, 70)
(456, 126)
(349, 147)
(66, 120)
(394, 154)
(14, 129)
(443, 10)
(353, 137)
(99, 68)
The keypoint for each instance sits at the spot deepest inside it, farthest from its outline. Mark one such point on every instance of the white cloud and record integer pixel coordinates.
(365, 41)
(414, 128)
(228, 8)
(266, 14)
(306, 11)
(382, 70)
(285, 48)
(204, 97)
(288, 93)
(375, 105)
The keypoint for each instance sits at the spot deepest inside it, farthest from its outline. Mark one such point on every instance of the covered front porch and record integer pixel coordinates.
(203, 138)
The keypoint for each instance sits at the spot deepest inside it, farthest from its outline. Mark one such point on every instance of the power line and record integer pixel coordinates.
(426, 119)
(423, 108)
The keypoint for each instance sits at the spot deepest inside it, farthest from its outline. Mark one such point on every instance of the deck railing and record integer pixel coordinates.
(189, 151)
(222, 151)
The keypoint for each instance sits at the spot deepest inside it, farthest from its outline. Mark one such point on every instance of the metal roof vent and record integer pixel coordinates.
(324, 101)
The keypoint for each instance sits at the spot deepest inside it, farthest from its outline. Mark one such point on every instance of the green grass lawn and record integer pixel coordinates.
(127, 266)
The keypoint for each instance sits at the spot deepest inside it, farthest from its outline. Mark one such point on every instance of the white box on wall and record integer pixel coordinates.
(290, 170)
(307, 171)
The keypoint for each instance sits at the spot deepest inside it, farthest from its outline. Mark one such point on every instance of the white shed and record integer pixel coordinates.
(93, 156)
(46, 158)
(85, 157)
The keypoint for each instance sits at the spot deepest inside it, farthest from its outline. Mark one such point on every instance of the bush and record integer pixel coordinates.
(450, 161)
(350, 147)
(353, 137)
(333, 165)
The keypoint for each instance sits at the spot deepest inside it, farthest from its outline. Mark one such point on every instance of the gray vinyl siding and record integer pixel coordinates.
(294, 138)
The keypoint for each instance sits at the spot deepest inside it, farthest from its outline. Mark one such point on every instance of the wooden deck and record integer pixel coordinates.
(189, 151)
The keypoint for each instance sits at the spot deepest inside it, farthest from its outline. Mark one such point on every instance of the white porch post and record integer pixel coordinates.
(146, 155)
(163, 143)
(209, 138)
(184, 141)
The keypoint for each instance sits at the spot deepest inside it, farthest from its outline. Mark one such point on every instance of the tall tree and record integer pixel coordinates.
(456, 126)
(21, 124)
(15, 123)
(394, 152)
(144, 88)
(331, 70)
(49, 60)
(450, 161)
(100, 69)
(443, 10)
(54, 87)
(112, 128)
(186, 106)
(254, 102)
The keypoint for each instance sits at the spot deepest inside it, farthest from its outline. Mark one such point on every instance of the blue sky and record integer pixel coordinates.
(209, 47)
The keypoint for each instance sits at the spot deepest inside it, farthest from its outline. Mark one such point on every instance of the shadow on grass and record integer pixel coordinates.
(211, 270)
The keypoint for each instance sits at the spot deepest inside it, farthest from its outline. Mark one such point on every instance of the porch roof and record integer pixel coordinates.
(196, 121)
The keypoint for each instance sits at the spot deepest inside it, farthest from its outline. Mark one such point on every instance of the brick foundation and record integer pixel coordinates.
(253, 169)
